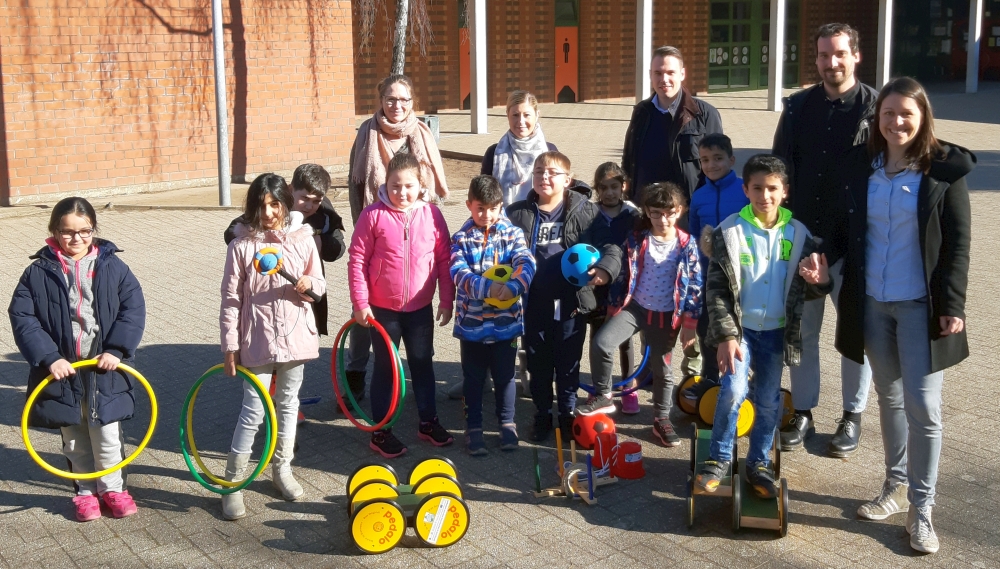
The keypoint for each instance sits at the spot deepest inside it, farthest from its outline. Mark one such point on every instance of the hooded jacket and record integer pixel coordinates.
(583, 224)
(695, 118)
(262, 317)
(43, 331)
(722, 290)
(475, 250)
(687, 283)
(398, 257)
(945, 229)
(714, 201)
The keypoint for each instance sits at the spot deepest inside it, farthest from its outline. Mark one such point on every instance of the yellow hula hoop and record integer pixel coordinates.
(89, 475)
(190, 427)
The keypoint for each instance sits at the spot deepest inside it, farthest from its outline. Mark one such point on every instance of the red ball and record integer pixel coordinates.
(586, 428)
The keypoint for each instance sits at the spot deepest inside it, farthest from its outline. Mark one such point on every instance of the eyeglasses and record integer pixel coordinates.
(83, 233)
(394, 102)
(548, 173)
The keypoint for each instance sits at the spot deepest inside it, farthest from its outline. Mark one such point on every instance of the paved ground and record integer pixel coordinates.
(178, 257)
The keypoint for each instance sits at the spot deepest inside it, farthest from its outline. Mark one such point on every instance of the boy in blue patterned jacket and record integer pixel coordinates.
(487, 333)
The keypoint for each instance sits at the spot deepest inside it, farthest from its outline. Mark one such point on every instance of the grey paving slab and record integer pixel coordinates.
(178, 258)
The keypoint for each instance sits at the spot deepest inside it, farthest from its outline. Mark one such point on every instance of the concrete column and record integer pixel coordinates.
(882, 65)
(975, 36)
(643, 47)
(776, 56)
(477, 60)
(221, 105)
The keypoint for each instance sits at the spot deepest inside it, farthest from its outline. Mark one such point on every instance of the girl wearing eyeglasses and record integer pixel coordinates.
(79, 301)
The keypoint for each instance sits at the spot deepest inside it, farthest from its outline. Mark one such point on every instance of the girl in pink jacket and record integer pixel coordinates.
(267, 326)
(399, 253)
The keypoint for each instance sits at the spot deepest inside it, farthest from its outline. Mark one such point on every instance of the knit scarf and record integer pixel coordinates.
(513, 161)
(372, 153)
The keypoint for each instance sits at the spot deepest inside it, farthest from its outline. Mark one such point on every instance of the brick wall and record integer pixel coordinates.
(684, 24)
(607, 49)
(109, 96)
(860, 14)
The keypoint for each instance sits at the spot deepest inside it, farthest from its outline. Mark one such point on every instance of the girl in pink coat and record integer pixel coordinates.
(399, 254)
(267, 326)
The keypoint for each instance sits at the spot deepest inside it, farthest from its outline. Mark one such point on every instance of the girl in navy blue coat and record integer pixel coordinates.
(79, 301)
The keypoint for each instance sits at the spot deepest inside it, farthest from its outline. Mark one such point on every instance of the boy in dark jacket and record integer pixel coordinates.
(554, 219)
(763, 267)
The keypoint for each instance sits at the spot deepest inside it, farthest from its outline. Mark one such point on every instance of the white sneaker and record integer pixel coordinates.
(922, 536)
(891, 501)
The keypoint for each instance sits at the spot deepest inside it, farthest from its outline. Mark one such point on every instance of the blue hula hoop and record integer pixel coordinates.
(642, 365)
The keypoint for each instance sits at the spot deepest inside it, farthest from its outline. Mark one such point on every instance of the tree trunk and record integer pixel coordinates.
(399, 37)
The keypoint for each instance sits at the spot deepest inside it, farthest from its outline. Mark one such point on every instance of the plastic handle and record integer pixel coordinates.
(310, 293)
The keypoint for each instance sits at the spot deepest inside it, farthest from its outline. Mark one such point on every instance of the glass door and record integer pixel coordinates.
(738, 44)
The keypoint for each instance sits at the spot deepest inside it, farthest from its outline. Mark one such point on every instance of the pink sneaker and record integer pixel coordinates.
(87, 508)
(630, 404)
(120, 503)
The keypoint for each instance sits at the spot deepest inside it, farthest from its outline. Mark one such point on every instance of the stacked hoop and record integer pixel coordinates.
(89, 475)
(187, 433)
(340, 380)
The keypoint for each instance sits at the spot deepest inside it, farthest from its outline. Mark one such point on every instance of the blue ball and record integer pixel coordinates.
(268, 262)
(576, 261)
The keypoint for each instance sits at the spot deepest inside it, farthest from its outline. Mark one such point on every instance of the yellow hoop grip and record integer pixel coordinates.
(91, 475)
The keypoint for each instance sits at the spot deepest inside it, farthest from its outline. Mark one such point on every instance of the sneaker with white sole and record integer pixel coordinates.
(921, 530)
(891, 501)
(597, 405)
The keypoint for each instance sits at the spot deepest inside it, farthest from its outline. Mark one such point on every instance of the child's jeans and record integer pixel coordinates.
(92, 447)
(416, 330)
(286, 404)
(498, 359)
(554, 346)
(660, 337)
(763, 352)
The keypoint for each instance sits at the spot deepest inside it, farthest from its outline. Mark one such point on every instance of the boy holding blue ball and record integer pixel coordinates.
(553, 220)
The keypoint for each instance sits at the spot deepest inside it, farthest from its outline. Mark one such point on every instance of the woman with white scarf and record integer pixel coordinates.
(393, 129)
(510, 161)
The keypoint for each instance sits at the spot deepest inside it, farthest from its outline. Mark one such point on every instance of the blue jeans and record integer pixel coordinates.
(855, 379)
(498, 359)
(909, 396)
(763, 352)
(416, 330)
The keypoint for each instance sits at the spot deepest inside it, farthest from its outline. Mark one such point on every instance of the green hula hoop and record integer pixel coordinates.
(342, 378)
(271, 435)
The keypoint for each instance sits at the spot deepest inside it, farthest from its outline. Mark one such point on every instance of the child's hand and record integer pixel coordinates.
(505, 294)
(444, 314)
(688, 337)
(362, 316)
(302, 285)
(495, 290)
(814, 269)
(729, 352)
(61, 369)
(598, 277)
(232, 360)
(107, 362)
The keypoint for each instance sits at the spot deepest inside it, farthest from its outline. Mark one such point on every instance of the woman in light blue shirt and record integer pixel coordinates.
(908, 234)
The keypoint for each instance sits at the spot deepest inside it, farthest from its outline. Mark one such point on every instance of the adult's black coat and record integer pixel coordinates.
(945, 229)
(695, 118)
(40, 318)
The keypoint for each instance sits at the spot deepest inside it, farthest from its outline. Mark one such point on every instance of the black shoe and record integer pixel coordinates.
(566, 426)
(543, 426)
(664, 430)
(798, 430)
(356, 383)
(847, 438)
(434, 433)
(761, 479)
(386, 444)
(711, 473)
